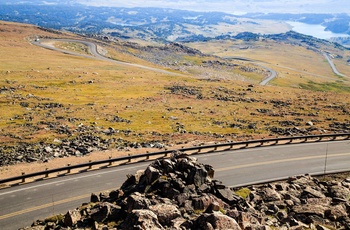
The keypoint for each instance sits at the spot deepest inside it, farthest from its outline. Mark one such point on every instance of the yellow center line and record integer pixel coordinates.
(280, 161)
(44, 206)
(217, 170)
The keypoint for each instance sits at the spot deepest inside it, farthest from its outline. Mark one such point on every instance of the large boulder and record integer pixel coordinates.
(216, 220)
(166, 213)
(72, 217)
(142, 220)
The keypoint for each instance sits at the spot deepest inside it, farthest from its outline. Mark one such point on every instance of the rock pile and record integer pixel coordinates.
(180, 193)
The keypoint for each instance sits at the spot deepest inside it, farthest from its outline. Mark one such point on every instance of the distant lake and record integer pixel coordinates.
(314, 30)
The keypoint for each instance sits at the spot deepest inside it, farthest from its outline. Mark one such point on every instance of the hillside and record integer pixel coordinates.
(55, 105)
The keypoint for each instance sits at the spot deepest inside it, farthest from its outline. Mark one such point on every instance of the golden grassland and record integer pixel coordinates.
(295, 65)
(40, 88)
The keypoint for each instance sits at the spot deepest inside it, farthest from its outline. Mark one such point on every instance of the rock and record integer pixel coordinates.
(216, 220)
(142, 220)
(104, 211)
(48, 149)
(228, 196)
(72, 218)
(151, 174)
(307, 209)
(336, 212)
(137, 201)
(314, 193)
(94, 198)
(340, 192)
(166, 213)
(271, 195)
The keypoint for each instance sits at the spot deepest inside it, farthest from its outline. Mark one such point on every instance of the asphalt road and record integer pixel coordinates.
(335, 70)
(273, 73)
(21, 205)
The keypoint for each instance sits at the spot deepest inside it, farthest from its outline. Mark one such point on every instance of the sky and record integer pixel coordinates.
(235, 6)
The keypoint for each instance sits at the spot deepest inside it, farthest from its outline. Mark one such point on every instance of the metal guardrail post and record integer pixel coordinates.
(68, 171)
(110, 163)
(90, 166)
(47, 174)
(129, 157)
(23, 179)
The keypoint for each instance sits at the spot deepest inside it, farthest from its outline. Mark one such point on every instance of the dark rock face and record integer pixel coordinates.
(180, 193)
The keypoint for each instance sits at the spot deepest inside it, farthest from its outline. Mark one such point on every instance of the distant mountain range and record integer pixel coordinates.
(158, 23)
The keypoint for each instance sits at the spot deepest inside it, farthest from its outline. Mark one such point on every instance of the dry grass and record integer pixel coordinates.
(91, 92)
(296, 65)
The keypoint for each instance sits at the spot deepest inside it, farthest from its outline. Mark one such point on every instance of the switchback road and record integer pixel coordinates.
(49, 44)
(21, 205)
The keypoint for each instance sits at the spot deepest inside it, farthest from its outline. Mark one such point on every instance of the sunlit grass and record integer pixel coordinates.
(92, 92)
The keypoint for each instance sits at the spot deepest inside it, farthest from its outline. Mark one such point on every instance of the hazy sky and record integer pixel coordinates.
(236, 6)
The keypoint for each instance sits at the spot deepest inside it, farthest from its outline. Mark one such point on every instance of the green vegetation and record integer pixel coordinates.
(243, 192)
(330, 86)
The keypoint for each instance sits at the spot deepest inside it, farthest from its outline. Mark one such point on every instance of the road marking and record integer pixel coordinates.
(280, 161)
(44, 206)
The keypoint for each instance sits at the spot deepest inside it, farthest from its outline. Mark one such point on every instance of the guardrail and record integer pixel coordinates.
(197, 149)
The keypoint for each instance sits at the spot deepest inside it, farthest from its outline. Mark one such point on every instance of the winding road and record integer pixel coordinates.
(335, 70)
(47, 43)
(21, 205)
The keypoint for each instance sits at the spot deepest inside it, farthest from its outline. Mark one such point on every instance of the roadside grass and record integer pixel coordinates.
(73, 46)
(41, 89)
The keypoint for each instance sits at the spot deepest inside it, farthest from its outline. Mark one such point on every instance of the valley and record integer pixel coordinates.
(56, 105)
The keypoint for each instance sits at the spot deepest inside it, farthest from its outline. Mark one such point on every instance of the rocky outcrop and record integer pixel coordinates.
(180, 193)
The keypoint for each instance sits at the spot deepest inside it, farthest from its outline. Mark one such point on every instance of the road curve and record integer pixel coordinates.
(273, 73)
(95, 54)
(335, 70)
(21, 205)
